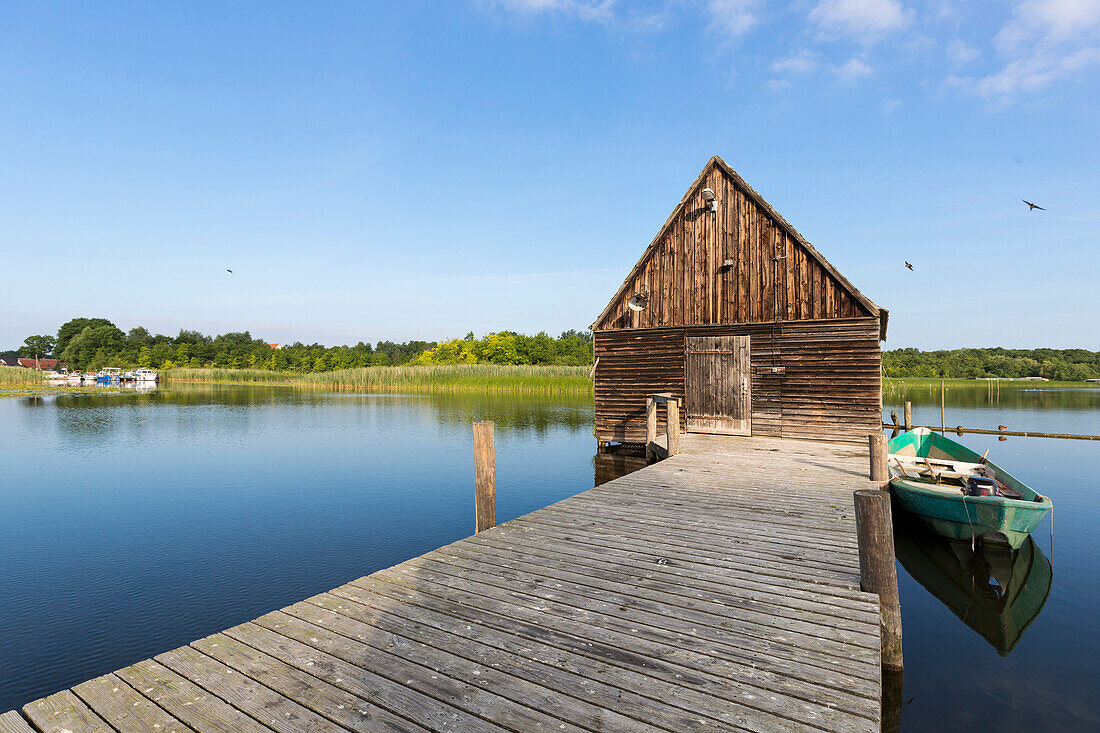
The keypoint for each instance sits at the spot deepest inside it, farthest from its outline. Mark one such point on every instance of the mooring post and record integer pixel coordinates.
(908, 416)
(672, 426)
(943, 412)
(485, 476)
(650, 427)
(877, 571)
(877, 444)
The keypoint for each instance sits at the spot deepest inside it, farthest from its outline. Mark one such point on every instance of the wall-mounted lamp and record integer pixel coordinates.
(708, 196)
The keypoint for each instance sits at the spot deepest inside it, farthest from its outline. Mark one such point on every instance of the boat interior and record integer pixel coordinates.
(944, 473)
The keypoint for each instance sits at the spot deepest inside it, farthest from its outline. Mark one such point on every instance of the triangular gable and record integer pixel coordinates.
(854, 302)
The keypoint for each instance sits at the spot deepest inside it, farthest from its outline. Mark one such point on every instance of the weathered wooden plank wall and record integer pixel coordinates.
(773, 275)
(829, 386)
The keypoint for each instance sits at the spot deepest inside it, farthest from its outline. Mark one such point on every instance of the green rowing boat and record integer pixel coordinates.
(958, 494)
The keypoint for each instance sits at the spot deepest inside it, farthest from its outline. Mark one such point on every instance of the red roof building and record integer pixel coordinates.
(31, 363)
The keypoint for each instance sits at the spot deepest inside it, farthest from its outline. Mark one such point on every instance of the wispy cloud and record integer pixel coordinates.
(587, 10)
(959, 53)
(865, 21)
(636, 18)
(777, 85)
(1043, 42)
(854, 68)
(734, 18)
(802, 61)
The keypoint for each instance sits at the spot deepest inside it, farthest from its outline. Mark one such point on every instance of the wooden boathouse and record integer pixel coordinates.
(734, 314)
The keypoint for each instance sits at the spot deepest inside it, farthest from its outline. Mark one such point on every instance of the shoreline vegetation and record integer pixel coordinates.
(411, 378)
(470, 378)
(12, 375)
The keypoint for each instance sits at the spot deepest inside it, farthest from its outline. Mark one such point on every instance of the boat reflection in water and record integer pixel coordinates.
(995, 590)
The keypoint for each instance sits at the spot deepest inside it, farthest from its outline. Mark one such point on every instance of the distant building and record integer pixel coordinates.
(274, 346)
(12, 361)
(31, 363)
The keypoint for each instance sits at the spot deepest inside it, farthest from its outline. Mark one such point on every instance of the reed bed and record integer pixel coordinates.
(434, 378)
(19, 375)
(895, 383)
(257, 376)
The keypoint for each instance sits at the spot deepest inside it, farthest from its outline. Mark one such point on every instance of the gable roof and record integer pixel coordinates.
(758, 200)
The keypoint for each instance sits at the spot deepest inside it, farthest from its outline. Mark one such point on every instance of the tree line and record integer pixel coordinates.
(1070, 365)
(94, 343)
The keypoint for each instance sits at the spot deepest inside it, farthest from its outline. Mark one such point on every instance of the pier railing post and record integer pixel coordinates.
(877, 571)
(908, 416)
(672, 426)
(485, 476)
(650, 427)
(877, 445)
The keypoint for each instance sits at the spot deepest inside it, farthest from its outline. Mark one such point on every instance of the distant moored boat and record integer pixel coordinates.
(107, 375)
(145, 375)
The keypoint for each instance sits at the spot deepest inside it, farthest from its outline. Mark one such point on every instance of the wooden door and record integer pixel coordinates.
(718, 385)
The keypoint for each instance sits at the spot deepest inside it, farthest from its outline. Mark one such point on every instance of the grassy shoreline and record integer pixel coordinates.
(891, 382)
(10, 375)
(436, 378)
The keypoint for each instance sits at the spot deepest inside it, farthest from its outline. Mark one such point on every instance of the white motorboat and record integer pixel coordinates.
(145, 375)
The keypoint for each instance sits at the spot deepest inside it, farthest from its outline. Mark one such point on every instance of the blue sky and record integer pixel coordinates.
(421, 169)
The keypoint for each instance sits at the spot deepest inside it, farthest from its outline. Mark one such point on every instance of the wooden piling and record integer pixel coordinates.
(650, 427)
(878, 452)
(485, 476)
(672, 426)
(943, 412)
(908, 416)
(875, 531)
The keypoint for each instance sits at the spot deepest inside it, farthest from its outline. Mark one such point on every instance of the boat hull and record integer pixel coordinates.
(964, 517)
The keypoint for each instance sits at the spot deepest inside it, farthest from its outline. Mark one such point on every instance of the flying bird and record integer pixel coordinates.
(1031, 206)
(228, 270)
(908, 265)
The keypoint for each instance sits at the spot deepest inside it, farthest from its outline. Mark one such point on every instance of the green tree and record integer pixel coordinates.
(39, 345)
(98, 343)
(70, 329)
(139, 336)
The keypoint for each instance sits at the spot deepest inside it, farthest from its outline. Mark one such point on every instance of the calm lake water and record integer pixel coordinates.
(133, 524)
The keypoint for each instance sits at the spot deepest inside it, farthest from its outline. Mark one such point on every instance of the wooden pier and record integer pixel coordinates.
(715, 590)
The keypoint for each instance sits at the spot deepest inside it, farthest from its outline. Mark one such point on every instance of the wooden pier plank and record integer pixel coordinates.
(273, 636)
(311, 692)
(341, 639)
(64, 711)
(127, 709)
(557, 669)
(194, 706)
(13, 722)
(716, 590)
